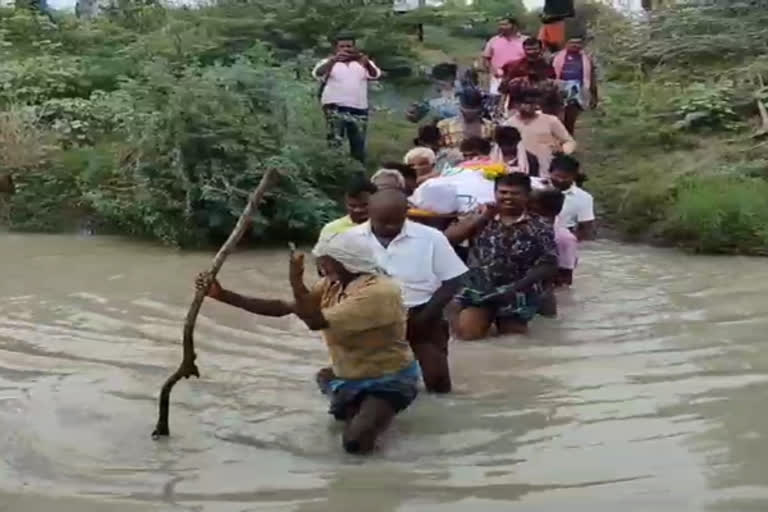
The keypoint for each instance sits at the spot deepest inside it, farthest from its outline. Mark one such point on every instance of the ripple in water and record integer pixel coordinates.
(645, 394)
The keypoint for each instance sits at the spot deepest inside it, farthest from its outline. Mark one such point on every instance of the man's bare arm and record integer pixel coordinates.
(265, 307)
(324, 68)
(469, 226)
(585, 231)
(373, 72)
(440, 299)
(305, 306)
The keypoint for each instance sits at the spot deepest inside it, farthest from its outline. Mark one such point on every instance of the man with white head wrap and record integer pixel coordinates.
(354, 254)
(360, 311)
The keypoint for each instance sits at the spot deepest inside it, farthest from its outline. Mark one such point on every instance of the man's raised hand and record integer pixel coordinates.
(205, 281)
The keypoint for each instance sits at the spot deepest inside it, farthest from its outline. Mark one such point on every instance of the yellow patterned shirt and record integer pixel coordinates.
(452, 131)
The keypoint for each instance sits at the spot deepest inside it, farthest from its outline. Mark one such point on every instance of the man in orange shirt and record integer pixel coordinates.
(552, 33)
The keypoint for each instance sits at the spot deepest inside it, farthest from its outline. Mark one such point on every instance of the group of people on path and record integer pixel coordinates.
(471, 234)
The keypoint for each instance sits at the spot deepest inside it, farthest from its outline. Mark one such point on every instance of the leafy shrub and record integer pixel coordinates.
(164, 119)
(78, 121)
(46, 200)
(37, 79)
(705, 105)
(721, 214)
(24, 141)
(197, 143)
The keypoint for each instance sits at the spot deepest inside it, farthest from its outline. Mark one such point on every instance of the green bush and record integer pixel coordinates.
(707, 105)
(196, 143)
(721, 214)
(162, 120)
(47, 198)
(669, 155)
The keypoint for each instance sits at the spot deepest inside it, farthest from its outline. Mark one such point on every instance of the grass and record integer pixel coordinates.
(721, 214)
(390, 136)
(655, 183)
(441, 46)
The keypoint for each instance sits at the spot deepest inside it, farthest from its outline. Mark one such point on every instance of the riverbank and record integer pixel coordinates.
(656, 184)
(671, 154)
(670, 163)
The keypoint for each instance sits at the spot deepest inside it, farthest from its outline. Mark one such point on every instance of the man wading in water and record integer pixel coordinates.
(424, 262)
(363, 320)
(578, 213)
(511, 254)
(356, 199)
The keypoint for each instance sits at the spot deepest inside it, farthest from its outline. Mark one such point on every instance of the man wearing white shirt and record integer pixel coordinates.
(578, 213)
(429, 270)
(344, 78)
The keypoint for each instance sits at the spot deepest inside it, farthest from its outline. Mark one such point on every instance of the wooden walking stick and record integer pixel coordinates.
(188, 368)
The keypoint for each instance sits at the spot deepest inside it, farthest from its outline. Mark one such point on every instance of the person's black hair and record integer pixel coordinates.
(532, 41)
(470, 79)
(445, 71)
(344, 36)
(506, 135)
(565, 163)
(428, 134)
(477, 145)
(511, 20)
(471, 98)
(358, 186)
(530, 96)
(515, 179)
(408, 172)
(550, 202)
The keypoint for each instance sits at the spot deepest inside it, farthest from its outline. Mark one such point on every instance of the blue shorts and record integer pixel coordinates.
(520, 307)
(399, 389)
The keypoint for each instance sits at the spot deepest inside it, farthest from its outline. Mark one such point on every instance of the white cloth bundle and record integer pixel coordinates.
(436, 196)
(469, 188)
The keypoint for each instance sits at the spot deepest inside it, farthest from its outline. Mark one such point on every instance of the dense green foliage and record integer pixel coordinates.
(677, 152)
(157, 122)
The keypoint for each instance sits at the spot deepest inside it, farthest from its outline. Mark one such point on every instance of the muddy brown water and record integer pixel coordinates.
(647, 394)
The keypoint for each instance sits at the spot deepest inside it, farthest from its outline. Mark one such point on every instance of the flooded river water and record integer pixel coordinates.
(647, 394)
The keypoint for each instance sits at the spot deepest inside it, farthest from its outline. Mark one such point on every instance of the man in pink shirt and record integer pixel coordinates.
(502, 48)
(344, 93)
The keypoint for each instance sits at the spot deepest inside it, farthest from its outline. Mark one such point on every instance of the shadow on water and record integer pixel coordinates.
(644, 395)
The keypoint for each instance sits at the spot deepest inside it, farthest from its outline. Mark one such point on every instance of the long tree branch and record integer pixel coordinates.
(188, 368)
